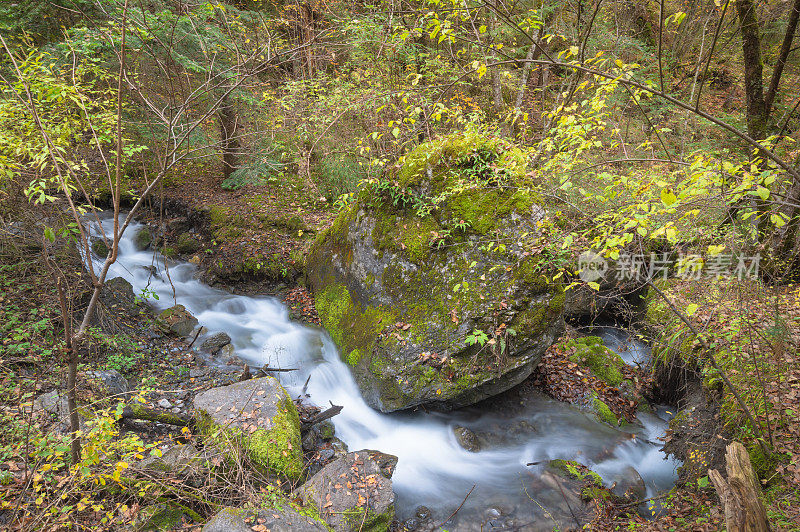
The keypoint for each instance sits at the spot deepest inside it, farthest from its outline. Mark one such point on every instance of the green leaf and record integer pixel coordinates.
(593, 285)
(691, 309)
(668, 198)
(49, 234)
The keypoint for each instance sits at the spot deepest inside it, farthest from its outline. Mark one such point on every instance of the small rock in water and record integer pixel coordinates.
(165, 404)
(225, 353)
(423, 513)
(215, 342)
(467, 439)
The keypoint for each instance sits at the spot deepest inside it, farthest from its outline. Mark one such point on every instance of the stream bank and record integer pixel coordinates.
(434, 471)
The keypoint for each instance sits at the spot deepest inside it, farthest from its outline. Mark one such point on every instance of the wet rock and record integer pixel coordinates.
(117, 294)
(99, 247)
(258, 413)
(225, 353)
(283, 519)
(110, 383)
(187, 243)
(165, 404)
(325, 430)
(628, 485)
(143, 239)
(182, 461)
(352, 493)
(379, 269)
(215, 342)
(176, 320)
(467, 439)
(423, 513)
(164, 516)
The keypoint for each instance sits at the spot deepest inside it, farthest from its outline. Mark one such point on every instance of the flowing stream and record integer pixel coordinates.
(433, 470)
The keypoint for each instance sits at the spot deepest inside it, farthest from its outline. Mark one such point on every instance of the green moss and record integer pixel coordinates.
(277, 449)
(100, 248)
(217, 216)
(354, 356)
(409, 234)
(367, 520)
(604, 413)
(164, 516)
(604, 363)
(351, 325)
(143, 238)
(169, 252)
(595, 493)
(575, 471)
(187, 243)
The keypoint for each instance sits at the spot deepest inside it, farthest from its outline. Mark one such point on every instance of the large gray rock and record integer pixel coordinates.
(407, 273)
(215, 342)
(354, 492)
(110, 383)
(284, 519)
(180, 461)
(260, 416)
(117, 295)
(177, 320)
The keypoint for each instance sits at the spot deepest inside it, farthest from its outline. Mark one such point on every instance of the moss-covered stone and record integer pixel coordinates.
(143, 239)
(603, 412)
(164, 516)
(591, 353)
(409, 270)
(100, 248)
(187, 243)
(573, 470)
(265, 423)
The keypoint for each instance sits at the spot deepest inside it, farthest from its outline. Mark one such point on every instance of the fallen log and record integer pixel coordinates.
(144, 413)
(266, 370)
(740, 494)
(322, 416)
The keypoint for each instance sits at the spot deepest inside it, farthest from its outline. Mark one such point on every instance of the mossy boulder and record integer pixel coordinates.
(163, 516)
(99, 247)
(176, 320)
(143, 239)
(284, 517)
(258, 416)
(591, 353)
(187, 243)
(354, 493)
(603, 411)
(420, 261)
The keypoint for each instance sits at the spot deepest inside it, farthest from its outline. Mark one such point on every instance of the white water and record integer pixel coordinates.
(433, 470)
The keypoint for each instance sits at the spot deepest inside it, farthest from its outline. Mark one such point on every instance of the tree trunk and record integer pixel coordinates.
(741, 493)
(307, 22)
(753, 70)
(497, 88)
(228, 127)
